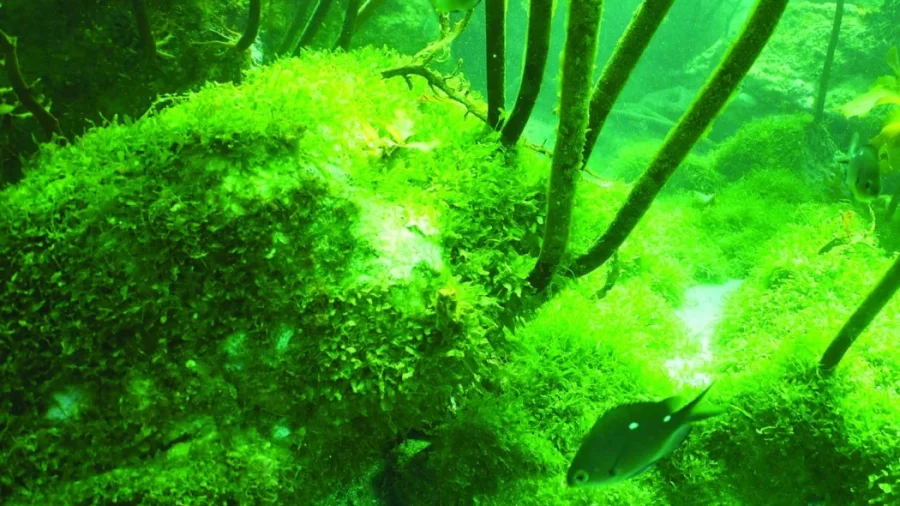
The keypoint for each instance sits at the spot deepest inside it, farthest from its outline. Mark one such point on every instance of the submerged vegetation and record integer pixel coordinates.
(309, 282)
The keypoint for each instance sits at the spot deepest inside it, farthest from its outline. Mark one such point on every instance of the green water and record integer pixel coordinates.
(241, 265)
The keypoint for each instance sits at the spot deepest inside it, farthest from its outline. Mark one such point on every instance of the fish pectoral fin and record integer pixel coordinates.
(642, 469)
(673, 442)
(614, 469)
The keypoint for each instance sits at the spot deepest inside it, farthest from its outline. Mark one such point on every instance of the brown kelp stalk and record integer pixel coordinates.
(624, 59)
(540, 17)
(861, 319)
(349, 27)
(47, 121)
(583, 28)
(819, 106)
(250, 34)
(145, 33)
(299, 21)
(495, 33)
(313, 25)
(737, 61)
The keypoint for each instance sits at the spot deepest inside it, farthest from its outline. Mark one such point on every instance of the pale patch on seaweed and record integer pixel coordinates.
(700, 312)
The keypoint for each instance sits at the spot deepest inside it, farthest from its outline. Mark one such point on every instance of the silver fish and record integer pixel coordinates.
(628, 439)
(862, 174)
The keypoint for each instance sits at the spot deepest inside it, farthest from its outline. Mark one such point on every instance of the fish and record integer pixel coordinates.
(701, 199)
(862, 174)
(630, 438)
(887, 142)
(454, 5)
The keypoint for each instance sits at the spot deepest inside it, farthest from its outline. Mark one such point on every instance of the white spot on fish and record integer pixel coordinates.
(667, 418)
(632, 425)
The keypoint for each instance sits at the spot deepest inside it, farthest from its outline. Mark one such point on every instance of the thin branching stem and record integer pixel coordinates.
(48, 122)
(622, 62)
(297, 24)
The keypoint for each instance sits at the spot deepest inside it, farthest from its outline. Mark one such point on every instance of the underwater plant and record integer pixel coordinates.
(861, 318)
(885, 89)
(495, 31)
(537, 47)
(312, 27)
(693, 123)
(575, 82)
(634, 42)
(48, 122)
(349, 26)
(252, 30)
(145, 31)
(819, 106)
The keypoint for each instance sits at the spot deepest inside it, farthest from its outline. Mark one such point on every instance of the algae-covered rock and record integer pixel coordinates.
(275, 257)
(791, 143)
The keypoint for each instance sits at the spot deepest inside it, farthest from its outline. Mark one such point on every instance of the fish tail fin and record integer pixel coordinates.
(698, 415)
(691, 414)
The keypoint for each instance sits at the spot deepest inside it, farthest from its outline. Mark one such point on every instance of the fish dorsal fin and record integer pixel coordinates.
(672, 403)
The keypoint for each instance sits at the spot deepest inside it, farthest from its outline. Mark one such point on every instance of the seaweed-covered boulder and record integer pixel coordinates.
(266, 282)
(791, 143)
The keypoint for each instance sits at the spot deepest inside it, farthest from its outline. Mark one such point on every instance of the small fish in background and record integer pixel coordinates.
(701, 199)
(887, 143)
(454, 5)
(862, 172)
(628, 439)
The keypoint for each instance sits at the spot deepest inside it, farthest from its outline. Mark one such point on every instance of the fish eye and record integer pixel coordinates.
(612, 472)
(867, 185)
(580, 477)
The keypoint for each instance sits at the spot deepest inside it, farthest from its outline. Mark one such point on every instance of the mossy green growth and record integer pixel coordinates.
(577, 358)
(749, 212)
(771, 143)
(245, 256)
(789, 433)
(669, 248)
(248, 466)
(696, 172)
